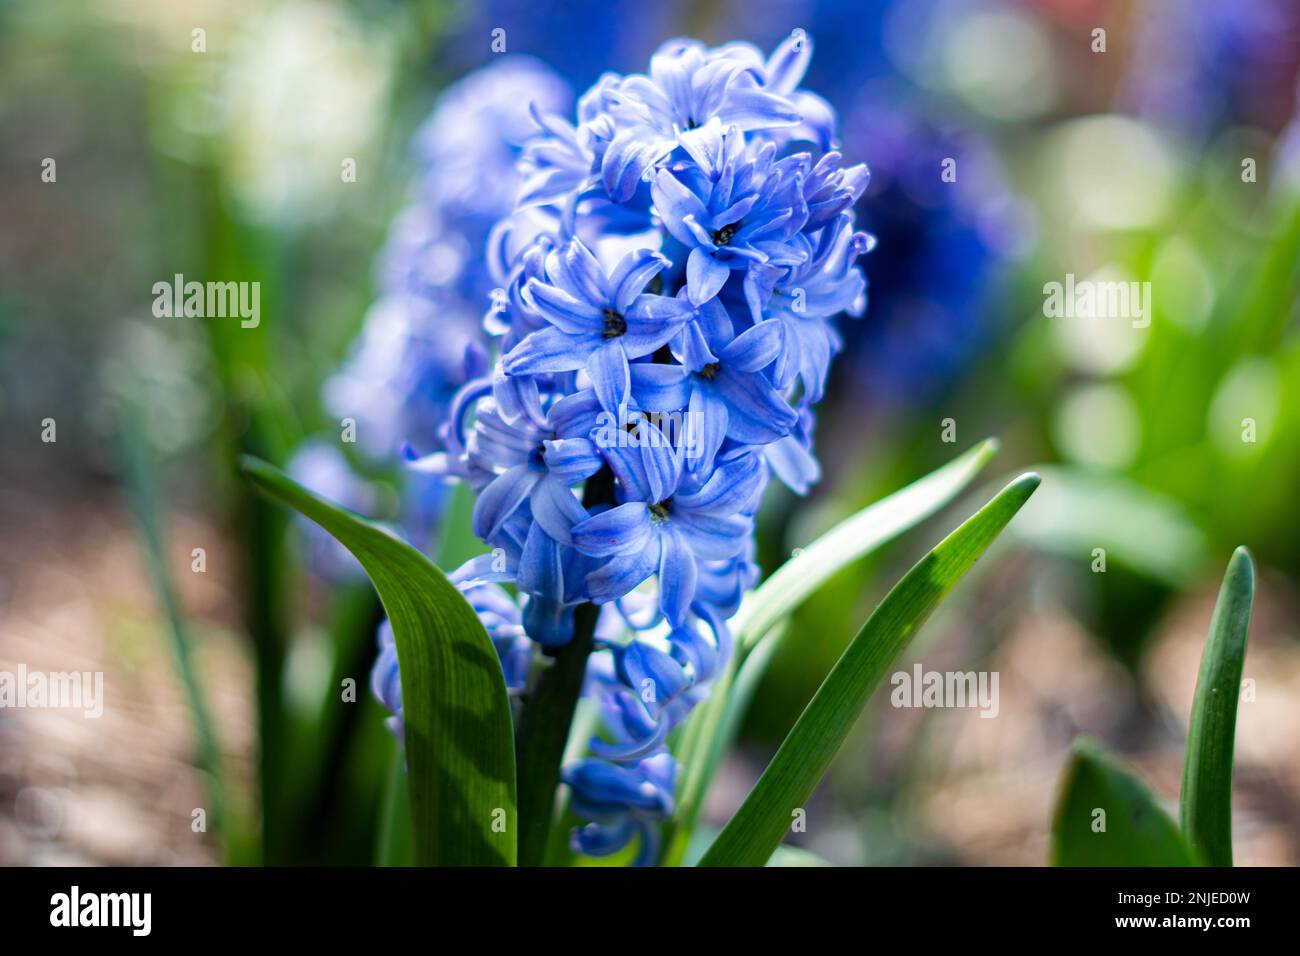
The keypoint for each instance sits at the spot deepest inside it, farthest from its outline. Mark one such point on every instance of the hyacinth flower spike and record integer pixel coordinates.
(677, 254)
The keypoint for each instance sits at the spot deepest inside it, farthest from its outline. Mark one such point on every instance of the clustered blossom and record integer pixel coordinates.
(666, 286)
(432, 277)
(422, 338)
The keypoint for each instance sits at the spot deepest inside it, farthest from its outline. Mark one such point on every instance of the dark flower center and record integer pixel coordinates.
(710, 370)
(723, 236)
(615, 324)
(660, 509)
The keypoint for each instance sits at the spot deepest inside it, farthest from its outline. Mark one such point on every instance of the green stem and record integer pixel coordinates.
(142, 492)
(543, 733)
(394, 843)
(547, 717)
(265, 571)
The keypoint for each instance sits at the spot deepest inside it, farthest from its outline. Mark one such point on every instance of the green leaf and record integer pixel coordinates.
(1142, 529)
(1107, 817)
(456, 545)
(711, 728)
(803, 758)
(459, 739)
(393, 838)
(1207, 773)
(783, 856)
(852, 538)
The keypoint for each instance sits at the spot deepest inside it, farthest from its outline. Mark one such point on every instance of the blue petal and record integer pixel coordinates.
(663, 468)
(755, 348)
(758, 412)
(603, 783)
(693, 649)
(733, 483)
(498, 501)
(570, 460)
(517, 397)
(676, 577)
(610, 378)
(636, 747)
(623, 572)
(625, 461)
(562, 309)
(548, 622)
(556, 509)
(484, 569)
(714, 537)
(705, 276)
(575, 271)
(616, 531)
(789, 62)
(659, 388)
(627, 159)
(706, 427)
(735, 212)
(694, 342)
(633, 273)
(603, 839)
(750, 108)
(550, 350)
(819, 120)
(653, 676)
(793, 464)
(575, 415)
(674, 203)
(652, 320)
(704, 145)
(540, 570)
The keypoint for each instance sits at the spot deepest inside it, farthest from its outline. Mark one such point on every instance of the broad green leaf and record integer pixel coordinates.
(1107, 817)
(757, 829)
(459, 740)
(456, 545)
(1207, 773)
(710, 729)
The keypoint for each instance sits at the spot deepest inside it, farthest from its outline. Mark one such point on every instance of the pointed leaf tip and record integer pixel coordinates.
(1206, 805)
(760, 824)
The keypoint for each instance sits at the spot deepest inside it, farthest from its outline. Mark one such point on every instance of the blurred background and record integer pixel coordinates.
(345, 155)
